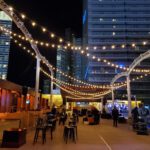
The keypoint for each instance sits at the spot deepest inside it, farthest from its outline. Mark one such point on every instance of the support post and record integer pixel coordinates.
(135, 101)
(129, 96)
(37, 83)
(102, 101)
(113, 96)
(51, 94)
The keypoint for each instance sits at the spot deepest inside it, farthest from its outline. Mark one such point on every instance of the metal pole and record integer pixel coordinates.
(113, 96)
(135, 101)
(37, 83)
(102, 104)
(129, 96)
(51, 94)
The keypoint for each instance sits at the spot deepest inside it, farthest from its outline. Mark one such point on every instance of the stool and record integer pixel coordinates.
(69, 133)
(40, 126)
(75, 128)
(38, 129)
(50, 126)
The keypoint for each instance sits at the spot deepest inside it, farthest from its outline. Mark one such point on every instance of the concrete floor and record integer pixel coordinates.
(93, 137)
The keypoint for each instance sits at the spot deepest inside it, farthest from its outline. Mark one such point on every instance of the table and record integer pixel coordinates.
(14, 137)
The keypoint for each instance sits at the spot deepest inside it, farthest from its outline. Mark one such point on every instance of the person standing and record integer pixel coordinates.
(115, 114)
(135, 117)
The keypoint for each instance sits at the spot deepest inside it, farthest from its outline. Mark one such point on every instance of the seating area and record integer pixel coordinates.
(44, 124)
(70, 129)
(92, 117)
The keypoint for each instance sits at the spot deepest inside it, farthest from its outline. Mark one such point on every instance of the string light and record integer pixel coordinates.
(30, 20)
(33, 24)
(117, 85)
(11, 8)
(52, 35)
(44, 29)
(23, 16)
(106, 61)
(93, 57)
(87, 84)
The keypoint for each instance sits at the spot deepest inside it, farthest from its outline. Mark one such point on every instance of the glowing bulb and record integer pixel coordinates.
(47, 44)
(53, 45)
(33, 24)
(41, 43)
(82, 52)
(23, 16)
(104, 47)
(79, 48)
(95, 47)
(93, 57)
(123, 46)
(144, 43)
(60, 40)
(133, 44)
(113, 46)
(52, 35)
(10, 8)
(44, 29)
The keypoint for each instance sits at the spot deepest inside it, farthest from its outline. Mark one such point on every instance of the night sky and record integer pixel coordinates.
(56, 16)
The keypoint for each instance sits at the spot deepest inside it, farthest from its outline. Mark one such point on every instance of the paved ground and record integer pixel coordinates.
(93, 137)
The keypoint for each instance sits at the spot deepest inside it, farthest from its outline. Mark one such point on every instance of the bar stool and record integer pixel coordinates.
(69, 133)
(40, 126)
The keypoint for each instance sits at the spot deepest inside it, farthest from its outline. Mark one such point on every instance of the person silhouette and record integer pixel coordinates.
(115, 115)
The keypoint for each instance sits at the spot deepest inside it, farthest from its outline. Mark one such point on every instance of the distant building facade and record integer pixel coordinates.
(4, 45)
(77, 60)
(116, 22)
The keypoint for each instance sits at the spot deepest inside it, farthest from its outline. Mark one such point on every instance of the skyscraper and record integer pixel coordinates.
(77, 60)
(4, 45)
(64, 58)
(108, 24)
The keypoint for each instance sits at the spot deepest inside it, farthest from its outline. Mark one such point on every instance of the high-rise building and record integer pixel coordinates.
(77, 60)
(116, 22)
(69, 61)
(64, 59)
(4, 45)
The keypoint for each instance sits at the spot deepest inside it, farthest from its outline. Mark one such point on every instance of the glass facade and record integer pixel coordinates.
(116, 22)
(4, 45)
(77, 60)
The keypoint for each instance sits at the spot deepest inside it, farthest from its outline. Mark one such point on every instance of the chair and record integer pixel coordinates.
(40, 126)
(69, 133)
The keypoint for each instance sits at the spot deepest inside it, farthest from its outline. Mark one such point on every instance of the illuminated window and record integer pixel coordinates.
(101, 19)
(3, 76)
(113, 20)
(5, 66)
(113, 33)
(6, 43)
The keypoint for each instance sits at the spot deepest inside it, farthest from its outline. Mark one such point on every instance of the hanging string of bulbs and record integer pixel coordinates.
(60, 39)
(70, 89)
(82, 52)
(87, 85)
(115, 85)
